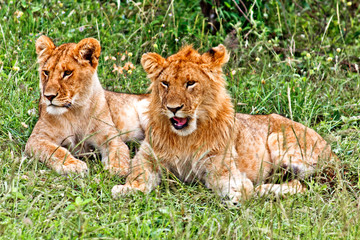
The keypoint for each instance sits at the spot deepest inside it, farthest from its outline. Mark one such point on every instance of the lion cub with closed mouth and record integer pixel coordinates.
(194, 132)
(76, 113)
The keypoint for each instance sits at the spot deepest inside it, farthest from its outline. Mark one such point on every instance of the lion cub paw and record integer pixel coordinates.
(241, 190)
(280, 190)
(73, 166)
(240, 196)
(122, 190)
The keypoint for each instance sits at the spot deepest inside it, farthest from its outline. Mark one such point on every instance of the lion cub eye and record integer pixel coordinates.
(67, 73)
(46, 73)
(190, 83)
(165, 83)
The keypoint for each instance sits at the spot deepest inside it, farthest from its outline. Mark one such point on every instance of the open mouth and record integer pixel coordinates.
(179, 123)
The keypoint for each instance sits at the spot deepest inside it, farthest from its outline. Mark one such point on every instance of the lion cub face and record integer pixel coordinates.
(184, 86)
(180, 91)
(66, 73)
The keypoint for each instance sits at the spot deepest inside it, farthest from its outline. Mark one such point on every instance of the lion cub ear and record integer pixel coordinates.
(88, 51)
(216, 57)
(153, 64)
(44, 47)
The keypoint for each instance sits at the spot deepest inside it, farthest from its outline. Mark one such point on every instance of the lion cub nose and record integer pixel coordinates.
(50, 97)
(175, 109)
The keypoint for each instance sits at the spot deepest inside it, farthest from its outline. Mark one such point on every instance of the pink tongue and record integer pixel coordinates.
(180, 121)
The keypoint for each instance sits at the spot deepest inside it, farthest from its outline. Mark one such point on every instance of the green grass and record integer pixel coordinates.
(319, 92)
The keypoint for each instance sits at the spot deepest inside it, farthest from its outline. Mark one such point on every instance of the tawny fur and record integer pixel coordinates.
(76, 112)
(229, 152)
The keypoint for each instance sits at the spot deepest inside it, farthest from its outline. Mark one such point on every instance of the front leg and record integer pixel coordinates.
(281, 190)
(114, 152)
(223, 177)
(145, 174)
(54, 156)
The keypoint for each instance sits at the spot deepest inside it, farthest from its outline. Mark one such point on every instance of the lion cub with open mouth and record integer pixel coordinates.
(77, 113)
(194, 132)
